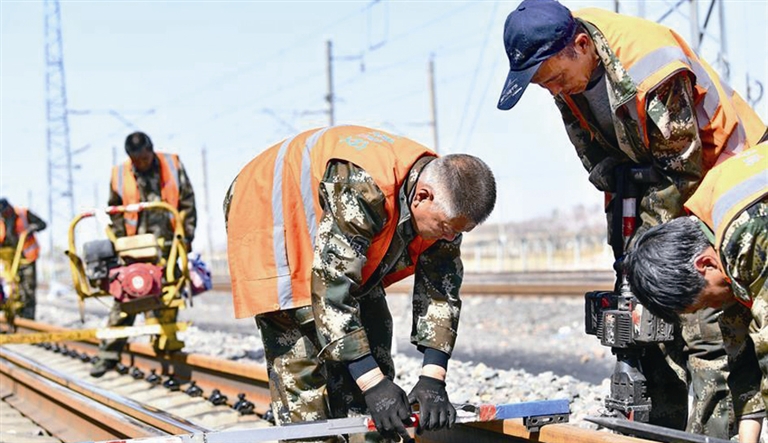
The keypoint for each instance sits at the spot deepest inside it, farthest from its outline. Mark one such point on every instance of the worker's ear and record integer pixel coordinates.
(582, 42)
(424, 193)
(706, 261)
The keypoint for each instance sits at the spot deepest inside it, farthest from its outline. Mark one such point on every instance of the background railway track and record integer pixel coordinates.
(536, 283)
(50, 384)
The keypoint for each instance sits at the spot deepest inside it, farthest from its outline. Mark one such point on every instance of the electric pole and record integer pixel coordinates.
(209, 246)
(433, 102)
(330, 98)
(61, 201)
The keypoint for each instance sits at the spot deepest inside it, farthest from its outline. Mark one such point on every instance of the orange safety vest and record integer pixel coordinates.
(31, 248)
(275, 211)
(651, 53)
(124, 183)
(729, 188)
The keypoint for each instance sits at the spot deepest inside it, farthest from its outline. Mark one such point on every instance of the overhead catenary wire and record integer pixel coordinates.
(227, 77)
(476, 74)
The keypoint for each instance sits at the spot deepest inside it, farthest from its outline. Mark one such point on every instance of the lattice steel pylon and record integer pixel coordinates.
(61, 204)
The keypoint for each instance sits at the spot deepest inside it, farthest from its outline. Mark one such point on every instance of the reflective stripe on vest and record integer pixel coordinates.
(283, 181)
(284, 291)
(307, 193)
(729, 188)
(651, 54)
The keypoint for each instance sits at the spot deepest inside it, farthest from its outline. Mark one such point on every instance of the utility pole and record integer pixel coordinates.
(433, 102)
(209, 246)
(725, 67)
(694, 21)
(61, 202)
(330, 97)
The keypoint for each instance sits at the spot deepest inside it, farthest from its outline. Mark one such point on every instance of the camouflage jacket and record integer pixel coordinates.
(673, 133)
(744, 252)
(156, 222)
(744, 255)
(353, 214)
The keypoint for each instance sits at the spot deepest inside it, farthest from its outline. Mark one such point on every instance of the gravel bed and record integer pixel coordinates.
(510, 349)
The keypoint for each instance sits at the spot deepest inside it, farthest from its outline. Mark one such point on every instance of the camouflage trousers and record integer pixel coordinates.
(304, 388)
(698, 357)
(27, 288)
(111, 349)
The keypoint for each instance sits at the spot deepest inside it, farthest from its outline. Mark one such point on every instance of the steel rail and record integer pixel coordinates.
(521, 289)
(229, 377)
(72, 410)
(233, 377)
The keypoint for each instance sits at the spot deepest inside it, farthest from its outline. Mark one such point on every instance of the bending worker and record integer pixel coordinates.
(146, 177)
(682, 266)
(318, 225)
(631, 91)
(16, 220)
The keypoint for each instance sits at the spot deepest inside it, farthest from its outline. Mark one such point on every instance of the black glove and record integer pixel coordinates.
(389, 409)
(435, 411)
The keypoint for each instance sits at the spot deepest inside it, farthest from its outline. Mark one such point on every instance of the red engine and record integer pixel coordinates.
(135, 281)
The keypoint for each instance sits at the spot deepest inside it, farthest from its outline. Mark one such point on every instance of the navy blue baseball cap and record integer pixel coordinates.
(535, 31)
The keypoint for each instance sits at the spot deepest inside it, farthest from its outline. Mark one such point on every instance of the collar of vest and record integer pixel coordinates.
(406, 193)
(620, 83)
(153, 169)
(707, 231)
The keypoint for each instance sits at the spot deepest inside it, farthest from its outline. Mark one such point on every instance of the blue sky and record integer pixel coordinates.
(236, 77)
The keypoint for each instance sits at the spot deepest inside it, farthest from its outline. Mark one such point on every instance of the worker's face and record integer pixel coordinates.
(568, 72)
(431, 222)
(717, 292)
(142, 160)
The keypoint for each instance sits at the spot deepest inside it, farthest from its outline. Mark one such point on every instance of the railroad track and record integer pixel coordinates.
(50, 385)
(538, 283)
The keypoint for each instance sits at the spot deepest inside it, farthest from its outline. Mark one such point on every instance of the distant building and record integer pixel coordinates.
(571, 240)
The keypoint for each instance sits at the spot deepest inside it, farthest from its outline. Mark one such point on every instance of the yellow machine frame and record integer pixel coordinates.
(172, 283)
(12, 259)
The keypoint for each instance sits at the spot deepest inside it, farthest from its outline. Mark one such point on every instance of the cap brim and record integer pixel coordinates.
(515, 85)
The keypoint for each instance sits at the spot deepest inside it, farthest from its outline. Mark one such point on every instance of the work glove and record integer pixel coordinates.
(388, 406)
(435, 411)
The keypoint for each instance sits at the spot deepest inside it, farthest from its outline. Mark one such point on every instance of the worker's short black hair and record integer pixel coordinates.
(4, 204)
(137, 142)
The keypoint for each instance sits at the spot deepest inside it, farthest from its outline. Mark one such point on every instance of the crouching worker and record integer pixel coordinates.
(717, 258)
(318, 225)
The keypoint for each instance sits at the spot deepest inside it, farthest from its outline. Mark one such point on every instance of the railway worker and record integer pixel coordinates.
(632, 91)
(146, 176)
(683, 266)
(16, 220)
(318, 225)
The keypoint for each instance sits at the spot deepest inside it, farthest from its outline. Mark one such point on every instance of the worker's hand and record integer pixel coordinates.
(435, 411)
(388, 406)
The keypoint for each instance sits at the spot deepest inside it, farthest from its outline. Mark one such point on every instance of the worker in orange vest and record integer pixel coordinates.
(318, 225)
(715, 258)
(16, 220)
(146, 176)
(632, 92)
